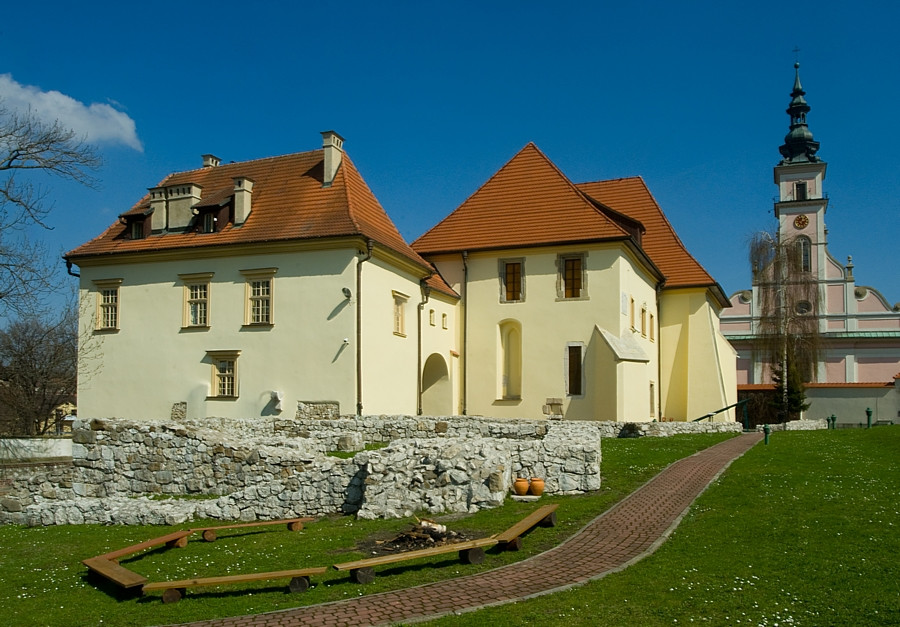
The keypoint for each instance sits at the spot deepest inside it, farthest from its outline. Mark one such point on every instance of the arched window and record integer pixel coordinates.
(805, 249)
(510, 359)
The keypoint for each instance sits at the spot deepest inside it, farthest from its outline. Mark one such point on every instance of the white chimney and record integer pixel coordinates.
(159, 218)
(211, 161)
(333, 146)
(182, 197)
(243, 190)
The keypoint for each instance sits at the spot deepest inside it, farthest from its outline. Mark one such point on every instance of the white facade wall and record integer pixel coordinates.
(547, 325)
(151, 362)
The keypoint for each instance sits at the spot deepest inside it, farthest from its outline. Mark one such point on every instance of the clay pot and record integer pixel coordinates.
(520, 486)
(537, 486)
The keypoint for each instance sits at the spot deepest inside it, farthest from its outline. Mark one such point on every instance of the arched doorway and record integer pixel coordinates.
(437, 395)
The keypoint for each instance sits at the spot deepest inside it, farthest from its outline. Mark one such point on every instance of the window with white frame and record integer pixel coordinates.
(107, 304)
(259, 291)
(224, 382)
(196, 300)
(400, 301)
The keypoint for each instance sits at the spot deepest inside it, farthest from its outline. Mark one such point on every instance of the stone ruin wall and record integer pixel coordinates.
(167, 472)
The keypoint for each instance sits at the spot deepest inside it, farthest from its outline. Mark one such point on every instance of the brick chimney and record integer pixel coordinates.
(333, 146)
(243, 191)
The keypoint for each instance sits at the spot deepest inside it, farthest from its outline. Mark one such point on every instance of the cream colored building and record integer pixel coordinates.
(244, 289)
(580, 301)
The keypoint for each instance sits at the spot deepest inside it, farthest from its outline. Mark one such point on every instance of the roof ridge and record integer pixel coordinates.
(238, 163)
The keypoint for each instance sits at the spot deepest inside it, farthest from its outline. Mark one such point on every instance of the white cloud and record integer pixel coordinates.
(98, 123)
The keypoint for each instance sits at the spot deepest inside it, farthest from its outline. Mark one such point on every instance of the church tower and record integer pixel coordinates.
(800, 208)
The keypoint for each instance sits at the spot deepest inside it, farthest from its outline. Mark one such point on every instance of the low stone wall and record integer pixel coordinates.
(797, 425)
(389, 428)
(35, 448)
(249, 470)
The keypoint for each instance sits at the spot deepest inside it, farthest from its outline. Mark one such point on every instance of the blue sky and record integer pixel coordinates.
(432, 98)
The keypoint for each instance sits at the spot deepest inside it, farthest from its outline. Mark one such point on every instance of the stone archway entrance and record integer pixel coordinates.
(437, 394)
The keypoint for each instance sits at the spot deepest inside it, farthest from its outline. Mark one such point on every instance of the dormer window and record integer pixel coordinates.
(209, 222)
(137, 229)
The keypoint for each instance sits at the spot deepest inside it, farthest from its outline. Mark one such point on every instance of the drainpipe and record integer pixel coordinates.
(359, 394)
(426, 293)
(69, 265)
(465, 329)
(658, 319)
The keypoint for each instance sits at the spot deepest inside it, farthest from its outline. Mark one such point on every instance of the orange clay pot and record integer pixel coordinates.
(537, 486)
(520, 486)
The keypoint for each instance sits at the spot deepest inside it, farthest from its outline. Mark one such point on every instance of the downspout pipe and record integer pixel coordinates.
(465, 331)
(370, 245)
(69, 265)
(426, 293)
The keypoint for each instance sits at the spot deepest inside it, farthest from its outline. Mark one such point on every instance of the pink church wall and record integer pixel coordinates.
(836, 370)
(837, 325)
(835, 299)
(833, 270)
(876, 369)
(879, 323)
(744, 367)
(734, 326)
(871, 304)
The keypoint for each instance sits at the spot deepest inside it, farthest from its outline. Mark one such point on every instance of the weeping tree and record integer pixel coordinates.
(787, 331)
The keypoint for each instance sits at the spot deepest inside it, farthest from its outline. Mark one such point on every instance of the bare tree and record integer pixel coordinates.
(787, 323)
(30, 149)
(38, 366)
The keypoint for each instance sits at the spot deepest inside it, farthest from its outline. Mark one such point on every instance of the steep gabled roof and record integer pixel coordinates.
(289, 202)
(528, 202)
(631, 197)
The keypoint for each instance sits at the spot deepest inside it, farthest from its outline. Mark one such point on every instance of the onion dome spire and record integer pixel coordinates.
(799, 146)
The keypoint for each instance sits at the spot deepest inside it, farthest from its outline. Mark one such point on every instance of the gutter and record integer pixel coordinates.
(370, 245)
(426, 293)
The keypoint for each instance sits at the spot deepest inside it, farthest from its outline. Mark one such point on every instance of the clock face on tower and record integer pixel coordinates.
(801, 221)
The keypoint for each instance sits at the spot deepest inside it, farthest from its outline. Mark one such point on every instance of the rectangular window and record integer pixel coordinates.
(572, 279)
(574, 370)
(224, 374)
(209, 222)
(137, 229)
(800, 190)
(107, 304)
(631, 313)
(444, 321)
(644, 321)
(400, 313)
(431, 317)
(511, 286)
(652, 328)
(196, 299)
(260, 295)
(652, 399)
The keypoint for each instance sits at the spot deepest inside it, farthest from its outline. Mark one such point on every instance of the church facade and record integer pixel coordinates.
(859, 330)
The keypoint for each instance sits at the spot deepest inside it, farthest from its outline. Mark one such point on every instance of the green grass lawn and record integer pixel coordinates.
(801, 531)
(804, 531)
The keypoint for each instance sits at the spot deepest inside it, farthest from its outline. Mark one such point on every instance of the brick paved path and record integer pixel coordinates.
(627, 532)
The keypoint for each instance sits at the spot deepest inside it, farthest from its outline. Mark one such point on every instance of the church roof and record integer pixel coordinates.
(289, 202)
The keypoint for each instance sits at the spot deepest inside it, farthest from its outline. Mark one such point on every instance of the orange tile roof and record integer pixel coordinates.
(288, 203)
(632, 197)
(528, 202)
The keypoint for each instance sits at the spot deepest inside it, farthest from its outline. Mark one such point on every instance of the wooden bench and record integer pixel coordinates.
(176, 538)
(113, 572)
(293, 524)
(174, 590)
(471, 552)
(511, 539)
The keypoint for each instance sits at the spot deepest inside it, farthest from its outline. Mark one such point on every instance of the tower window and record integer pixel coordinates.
(805, 252)
(800, 190)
